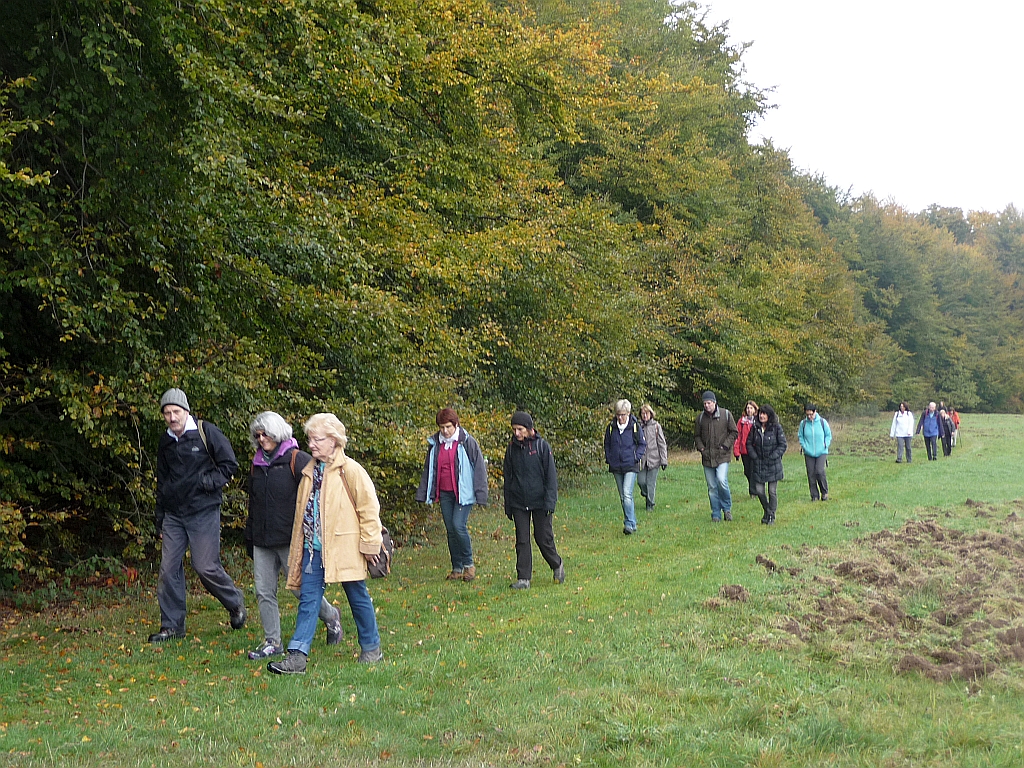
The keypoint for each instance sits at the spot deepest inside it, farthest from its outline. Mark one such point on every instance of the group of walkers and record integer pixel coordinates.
(635, 450)
(315, 518)
(759, 440)
(937, 423)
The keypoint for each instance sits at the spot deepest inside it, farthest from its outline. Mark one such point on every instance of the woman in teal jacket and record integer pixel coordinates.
(454, 476)
(815, 438)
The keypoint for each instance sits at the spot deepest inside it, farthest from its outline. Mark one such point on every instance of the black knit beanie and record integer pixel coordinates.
(522, 419)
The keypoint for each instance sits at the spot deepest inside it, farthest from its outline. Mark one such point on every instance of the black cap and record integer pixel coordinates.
(522, 419)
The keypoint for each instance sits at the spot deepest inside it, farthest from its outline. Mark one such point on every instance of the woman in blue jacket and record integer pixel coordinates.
(454, 475)
(815, 438)
(624, 447)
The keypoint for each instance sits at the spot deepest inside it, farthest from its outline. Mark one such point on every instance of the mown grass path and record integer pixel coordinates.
(636, 660)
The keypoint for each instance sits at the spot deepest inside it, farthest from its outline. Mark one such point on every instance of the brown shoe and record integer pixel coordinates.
(454, 576)
(469, 573)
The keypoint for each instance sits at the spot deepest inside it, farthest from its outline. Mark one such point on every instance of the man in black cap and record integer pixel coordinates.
(531, 491)
(714, 436)
(194, 462)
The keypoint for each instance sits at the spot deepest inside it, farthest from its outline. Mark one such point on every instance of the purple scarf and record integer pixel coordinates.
(287, 445)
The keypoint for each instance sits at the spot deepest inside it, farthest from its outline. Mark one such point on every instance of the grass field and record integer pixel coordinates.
(859, 639)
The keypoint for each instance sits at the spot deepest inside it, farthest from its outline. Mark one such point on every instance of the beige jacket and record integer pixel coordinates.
(347, 534)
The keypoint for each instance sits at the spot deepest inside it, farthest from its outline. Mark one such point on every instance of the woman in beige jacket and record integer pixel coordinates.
(336, 532)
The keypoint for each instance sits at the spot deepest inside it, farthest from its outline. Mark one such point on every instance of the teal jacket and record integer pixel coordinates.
(470, 471)
(815, 436)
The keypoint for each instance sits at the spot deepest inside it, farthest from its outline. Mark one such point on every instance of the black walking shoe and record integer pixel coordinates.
(166, 634)
(238, 617)
(560, 573)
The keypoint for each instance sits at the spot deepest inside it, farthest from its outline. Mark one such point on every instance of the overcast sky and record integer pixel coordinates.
(917, 102)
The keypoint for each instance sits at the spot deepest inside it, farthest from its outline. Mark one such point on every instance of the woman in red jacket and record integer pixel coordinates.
(739, 448)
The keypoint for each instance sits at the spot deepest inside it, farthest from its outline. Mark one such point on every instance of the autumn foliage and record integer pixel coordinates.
(382, 208)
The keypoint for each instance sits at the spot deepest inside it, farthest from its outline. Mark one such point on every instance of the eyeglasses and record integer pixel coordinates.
(318, 440)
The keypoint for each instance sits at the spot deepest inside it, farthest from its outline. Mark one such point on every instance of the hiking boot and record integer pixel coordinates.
(334, 630)
(165, 634)
(728, 516)
(560, 573)
(238, 617)
(824, 497)
(627, 531)
(469, 573)
(292, 664)
(520, 584)
(454, 576)
(266, 650)
(370, 657)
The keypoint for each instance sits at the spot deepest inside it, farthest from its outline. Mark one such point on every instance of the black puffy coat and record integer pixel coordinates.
(272, 493)
(765, 447)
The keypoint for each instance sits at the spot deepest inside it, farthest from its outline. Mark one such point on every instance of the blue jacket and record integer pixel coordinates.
(930, 424)
(470, 471)
(815, 436)
(623, 450)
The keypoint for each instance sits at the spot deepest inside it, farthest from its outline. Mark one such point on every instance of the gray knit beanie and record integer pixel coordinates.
(709, 395)
(174, 397)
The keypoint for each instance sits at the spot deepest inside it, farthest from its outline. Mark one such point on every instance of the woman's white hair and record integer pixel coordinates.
(623, 406)
(327, 425)
(272, 425)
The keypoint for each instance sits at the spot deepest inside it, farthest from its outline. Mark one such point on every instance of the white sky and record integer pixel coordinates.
(918, 102)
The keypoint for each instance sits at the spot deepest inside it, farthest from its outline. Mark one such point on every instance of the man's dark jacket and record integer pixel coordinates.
(190, 476)
(272, 493)
(531, 482)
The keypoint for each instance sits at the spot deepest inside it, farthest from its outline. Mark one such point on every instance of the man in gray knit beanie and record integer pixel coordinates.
(193, 464)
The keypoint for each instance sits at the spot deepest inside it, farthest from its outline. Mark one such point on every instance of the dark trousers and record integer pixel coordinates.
(200, 534)
(947, 444)
(816, 479)
(930, 443)
(748, 469)
(768, 495)
(543, 533)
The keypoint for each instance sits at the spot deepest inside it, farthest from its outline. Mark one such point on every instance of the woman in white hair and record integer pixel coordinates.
(273, 485)
(336, 532)
(624, 447)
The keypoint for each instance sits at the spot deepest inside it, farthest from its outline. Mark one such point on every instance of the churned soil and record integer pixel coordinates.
(935, 600)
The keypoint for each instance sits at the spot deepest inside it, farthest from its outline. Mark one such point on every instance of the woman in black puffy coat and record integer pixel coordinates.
(766, 444)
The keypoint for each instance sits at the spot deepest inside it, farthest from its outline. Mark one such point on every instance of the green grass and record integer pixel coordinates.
(635, 660)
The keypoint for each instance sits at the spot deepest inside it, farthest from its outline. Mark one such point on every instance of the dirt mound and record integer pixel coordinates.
(942, 602)
(734, 592)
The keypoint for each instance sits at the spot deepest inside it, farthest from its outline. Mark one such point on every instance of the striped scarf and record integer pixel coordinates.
(312, 522)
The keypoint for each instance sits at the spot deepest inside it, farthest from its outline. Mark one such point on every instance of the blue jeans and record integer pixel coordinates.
(625, 481)
(456, 522)
(718, 489)
(312, 592)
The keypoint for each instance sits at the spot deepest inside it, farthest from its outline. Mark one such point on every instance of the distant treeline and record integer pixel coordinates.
(382, 208)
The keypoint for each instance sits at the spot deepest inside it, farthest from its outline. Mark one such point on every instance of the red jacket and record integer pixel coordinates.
(744, 425)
